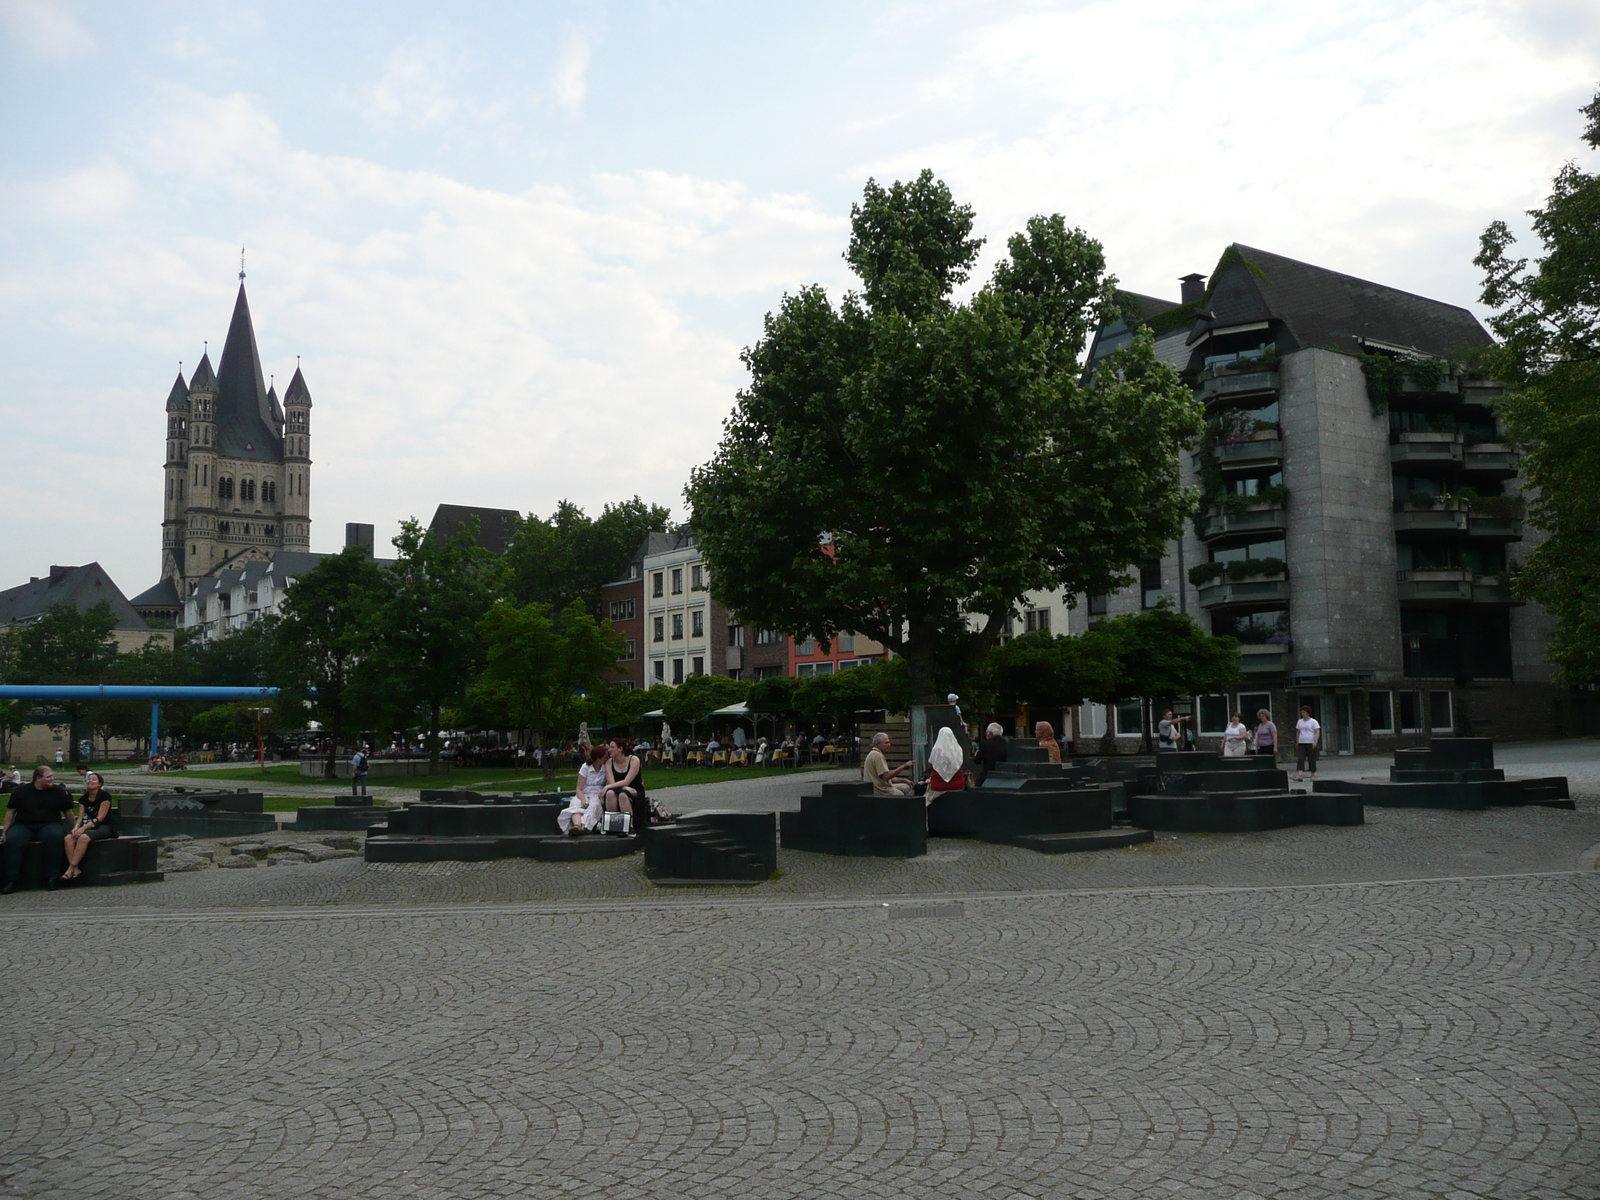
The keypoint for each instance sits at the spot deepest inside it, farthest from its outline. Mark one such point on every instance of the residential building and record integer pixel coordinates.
(82, 588)
(496, 526)
(810, 657)
(238, 468)
(622, 603)
(1362, 515)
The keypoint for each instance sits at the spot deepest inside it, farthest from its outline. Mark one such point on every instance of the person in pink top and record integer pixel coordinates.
(1266, 735)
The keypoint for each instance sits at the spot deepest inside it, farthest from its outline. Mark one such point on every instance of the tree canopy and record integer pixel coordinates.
(1548, 323)
(571, 555)
(901, 462)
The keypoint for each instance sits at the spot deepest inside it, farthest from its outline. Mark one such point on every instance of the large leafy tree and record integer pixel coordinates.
(1548, 324)
(427, 642)
(700, 696)
(1046, 671)
(571, 555)
(904, 465)
(1164, 653)
(64, 646)
(325, 633)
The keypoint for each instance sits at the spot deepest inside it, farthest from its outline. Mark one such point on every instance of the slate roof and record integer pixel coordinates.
(1117, 334)
(163, 595)
(298, 393)
(178, 397)
(244, 429)
(275, 411)
(496, 526)
(204, 378)
(82, 587)
(284, 567)
(1324, 308)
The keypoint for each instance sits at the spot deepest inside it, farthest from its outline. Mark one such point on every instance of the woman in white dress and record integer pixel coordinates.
(1235, 737)
(582, 812)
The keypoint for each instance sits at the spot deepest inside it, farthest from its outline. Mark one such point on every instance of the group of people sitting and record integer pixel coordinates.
(611, 780)
(36, 811)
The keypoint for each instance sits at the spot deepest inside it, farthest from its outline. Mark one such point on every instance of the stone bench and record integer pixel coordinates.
(110, 861)
(726, 847)
(847, 819)
(459, 826)
(1243, 811)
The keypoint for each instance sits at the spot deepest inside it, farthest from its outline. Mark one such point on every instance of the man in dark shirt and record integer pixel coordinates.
(992, 751)
(34, 813)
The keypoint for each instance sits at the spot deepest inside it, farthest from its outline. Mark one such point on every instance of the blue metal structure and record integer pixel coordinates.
(110, 691)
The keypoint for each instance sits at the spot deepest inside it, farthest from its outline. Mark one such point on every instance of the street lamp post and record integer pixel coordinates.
(261, 755)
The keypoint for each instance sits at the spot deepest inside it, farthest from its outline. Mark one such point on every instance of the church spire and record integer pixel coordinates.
(244, 414)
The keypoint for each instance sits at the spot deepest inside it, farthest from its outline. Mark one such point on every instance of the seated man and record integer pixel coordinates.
(875, 770)
(34, 813)
(992, 752)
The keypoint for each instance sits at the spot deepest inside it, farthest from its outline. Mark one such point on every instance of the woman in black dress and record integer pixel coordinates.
(624, 789)
(95, 821)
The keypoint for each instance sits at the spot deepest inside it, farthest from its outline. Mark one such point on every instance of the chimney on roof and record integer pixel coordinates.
(1194, 288)
(358, 535)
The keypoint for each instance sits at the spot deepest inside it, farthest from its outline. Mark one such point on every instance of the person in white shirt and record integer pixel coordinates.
(582, 812)
(1308, 736)
(1234, 738)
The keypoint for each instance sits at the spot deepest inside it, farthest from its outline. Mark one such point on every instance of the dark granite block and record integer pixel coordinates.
(341, 817)
(846, 820)
(731, 846)
(109, 862)
(1003, 815)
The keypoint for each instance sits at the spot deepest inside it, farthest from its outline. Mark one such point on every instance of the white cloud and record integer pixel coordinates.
(569, 82)
(45, 28)
(414, 92)
(91, 194)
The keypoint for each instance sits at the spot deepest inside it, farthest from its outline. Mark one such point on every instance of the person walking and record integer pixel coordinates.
(1308, 736)
(96, 820)
(34, 813)
(358, 772)
(1234, 738)
(1266, 735)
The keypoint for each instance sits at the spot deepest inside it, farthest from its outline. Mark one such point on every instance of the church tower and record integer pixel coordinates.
(238, 466)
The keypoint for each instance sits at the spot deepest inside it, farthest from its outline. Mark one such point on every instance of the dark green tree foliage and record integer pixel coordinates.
(902, 461)
(325, 633)
(1548, 324)
(427, 644)
(570, 556)
(702, 695)
(1045, 671)
(538, 665)
(66, 647)
(13, 722)
(1164, 653)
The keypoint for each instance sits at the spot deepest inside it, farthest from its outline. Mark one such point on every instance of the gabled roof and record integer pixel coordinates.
(163, 595)
(1117, 334)
(243, 415)
(178, 397)
(1323, 308)
(496, 526)
(298, 393)
(204, 378)
(82, 587)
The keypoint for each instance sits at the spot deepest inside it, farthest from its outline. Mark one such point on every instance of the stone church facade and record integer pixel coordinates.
(238, 469)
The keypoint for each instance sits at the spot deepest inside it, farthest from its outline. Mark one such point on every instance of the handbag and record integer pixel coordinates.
(619, 823)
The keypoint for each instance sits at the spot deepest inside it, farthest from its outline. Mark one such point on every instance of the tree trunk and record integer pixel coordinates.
(433, 737)
(919, 655)
(330, 769)
(1144, 723)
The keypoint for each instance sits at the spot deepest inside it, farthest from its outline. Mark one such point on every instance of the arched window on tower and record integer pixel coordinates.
(269, 491)
(225, 487)
(247, 489)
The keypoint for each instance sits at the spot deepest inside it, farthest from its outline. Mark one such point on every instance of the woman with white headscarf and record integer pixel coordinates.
(944, 764)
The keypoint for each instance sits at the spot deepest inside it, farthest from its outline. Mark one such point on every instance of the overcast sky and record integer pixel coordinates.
(519, 246)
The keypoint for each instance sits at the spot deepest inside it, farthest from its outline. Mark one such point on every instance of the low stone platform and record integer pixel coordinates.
(715, 846)
(1074, 843)
(402, 848)
(1001, 814)
(197, 812)
(1242, 811)
(1452, 773)
(109, 862)
(462, 826)
(343, 816)
(847, 819)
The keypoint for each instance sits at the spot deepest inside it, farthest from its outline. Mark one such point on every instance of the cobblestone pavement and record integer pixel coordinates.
(1430, 1038)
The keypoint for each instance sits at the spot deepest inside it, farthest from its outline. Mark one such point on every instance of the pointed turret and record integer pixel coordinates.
(298, 393)
(275, 409)
(178, 397)
(204, 378)
(244, 428)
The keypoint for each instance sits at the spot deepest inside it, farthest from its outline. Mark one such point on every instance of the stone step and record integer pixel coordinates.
(1073, 843)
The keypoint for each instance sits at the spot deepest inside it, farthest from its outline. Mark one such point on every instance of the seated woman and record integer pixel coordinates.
(95, 821)
(944, 764)
(624, 786)
(582, 812)
(1046, 736)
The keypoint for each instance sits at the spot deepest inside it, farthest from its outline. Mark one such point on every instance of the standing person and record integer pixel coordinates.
(95, 821)
(1308, 736)
(1266, 735)
(1046, 735)
(992, 751)
(875, 770)
(1169, 732)
(1234, 738)
(624, 786)
(34, 814)
(358, 772)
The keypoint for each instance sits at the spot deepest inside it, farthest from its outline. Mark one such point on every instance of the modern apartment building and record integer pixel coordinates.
(848, 650)
(1361, 515)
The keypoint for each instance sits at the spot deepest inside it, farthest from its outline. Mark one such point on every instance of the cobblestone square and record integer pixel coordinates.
(1403, 1009)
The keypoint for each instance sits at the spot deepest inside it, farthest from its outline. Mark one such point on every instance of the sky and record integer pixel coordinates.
(518, 248)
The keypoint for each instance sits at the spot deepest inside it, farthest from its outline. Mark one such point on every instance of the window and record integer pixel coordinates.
(735, 635)
(677, 671)
(1410, 712)
(767, 637)
(1150, 582)
(697, 665)
(655, 583)
(629, 649)
(1271, 548)
(269, 492)
(697, 578)
(247, 490)
(1091, 721)
(1097, 606)
(622, 610)
(809, 646)
(1214, 714)
(809, 670)
(735, 673)
(1250, 703)
(677, 627)
(768, 672)
(697, 623)
(225, 488)
(1253, 629)
(1380, 712)
(660, 629)
(1037, 619)
(660, 670)
(1439, 714)
(1129, 719)
(677, 581)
